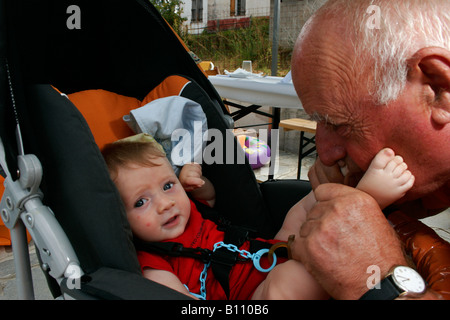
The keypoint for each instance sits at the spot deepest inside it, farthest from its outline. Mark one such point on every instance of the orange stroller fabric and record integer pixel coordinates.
(103, 110)
(430, 253)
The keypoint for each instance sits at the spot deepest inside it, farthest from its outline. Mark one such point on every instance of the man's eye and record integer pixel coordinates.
(343, 130)
(140, 203)
(168, 186)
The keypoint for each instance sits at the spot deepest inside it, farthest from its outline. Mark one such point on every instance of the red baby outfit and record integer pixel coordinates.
(199, 232)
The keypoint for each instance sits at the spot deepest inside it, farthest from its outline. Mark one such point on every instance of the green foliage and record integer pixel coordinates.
(227, 49)
(231, 47)
(171, 11)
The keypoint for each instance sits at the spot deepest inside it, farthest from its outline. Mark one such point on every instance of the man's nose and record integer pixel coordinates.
(330, 146)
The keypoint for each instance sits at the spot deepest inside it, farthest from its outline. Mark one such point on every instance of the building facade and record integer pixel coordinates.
(214, 15)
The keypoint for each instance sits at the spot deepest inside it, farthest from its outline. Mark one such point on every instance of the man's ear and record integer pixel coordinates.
(431, 66)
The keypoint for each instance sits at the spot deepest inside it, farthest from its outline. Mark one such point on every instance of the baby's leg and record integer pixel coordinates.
(387, 178)
(289, 281)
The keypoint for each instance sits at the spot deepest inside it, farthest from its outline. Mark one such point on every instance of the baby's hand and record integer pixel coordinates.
(190, 177)
(199, 187)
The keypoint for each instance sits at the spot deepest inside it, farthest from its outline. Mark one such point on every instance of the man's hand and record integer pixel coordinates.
(319, 173)
(344, 234)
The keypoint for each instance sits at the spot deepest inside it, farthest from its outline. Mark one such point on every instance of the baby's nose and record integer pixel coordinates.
(164, 204)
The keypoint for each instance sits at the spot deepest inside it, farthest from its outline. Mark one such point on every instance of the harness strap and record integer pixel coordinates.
(220, 260)
(223, 260)
(174, 249)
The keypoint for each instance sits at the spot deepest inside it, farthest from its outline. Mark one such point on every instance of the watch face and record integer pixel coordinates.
(408, 279)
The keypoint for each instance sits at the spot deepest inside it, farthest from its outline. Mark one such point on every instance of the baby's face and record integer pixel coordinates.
(156, 204)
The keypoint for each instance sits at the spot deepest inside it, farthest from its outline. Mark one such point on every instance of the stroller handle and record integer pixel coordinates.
(22, 201)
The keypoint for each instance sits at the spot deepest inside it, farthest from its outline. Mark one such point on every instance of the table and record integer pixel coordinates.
(259, 91)
(303, 126)
(264, 91)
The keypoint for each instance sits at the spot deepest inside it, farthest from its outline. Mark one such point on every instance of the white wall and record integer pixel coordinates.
(258, 8)
(195, 27)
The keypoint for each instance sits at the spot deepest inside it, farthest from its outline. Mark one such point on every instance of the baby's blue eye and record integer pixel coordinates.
(168, 186)
(140, 203)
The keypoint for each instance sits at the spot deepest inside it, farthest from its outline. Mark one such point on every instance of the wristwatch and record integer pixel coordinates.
(400, 281)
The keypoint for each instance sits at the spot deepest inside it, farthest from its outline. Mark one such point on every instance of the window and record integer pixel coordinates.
(197, 11)
(240, 7)
(237, 7)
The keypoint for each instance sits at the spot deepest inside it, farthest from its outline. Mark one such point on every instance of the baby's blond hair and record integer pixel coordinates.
(140, 150)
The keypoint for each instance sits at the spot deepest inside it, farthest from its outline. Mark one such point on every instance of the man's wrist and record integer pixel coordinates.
(400, 281)
(428, 295)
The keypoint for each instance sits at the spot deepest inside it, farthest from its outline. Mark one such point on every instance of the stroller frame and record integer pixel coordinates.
(22, 209)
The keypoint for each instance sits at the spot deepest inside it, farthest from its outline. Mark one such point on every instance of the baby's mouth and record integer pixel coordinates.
(171, 222)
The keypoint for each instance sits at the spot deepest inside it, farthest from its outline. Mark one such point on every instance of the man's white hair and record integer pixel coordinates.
(388, 33)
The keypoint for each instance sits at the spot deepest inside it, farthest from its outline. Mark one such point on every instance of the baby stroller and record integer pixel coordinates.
(50, 145)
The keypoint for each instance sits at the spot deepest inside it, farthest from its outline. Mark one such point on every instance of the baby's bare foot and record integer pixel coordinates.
(387, 178)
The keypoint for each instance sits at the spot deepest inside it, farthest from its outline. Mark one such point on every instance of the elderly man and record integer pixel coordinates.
(373, 74)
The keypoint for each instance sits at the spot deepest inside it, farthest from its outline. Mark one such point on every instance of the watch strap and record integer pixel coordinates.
(387, 291)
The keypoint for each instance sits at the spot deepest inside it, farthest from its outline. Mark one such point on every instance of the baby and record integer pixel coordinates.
(158, 209)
